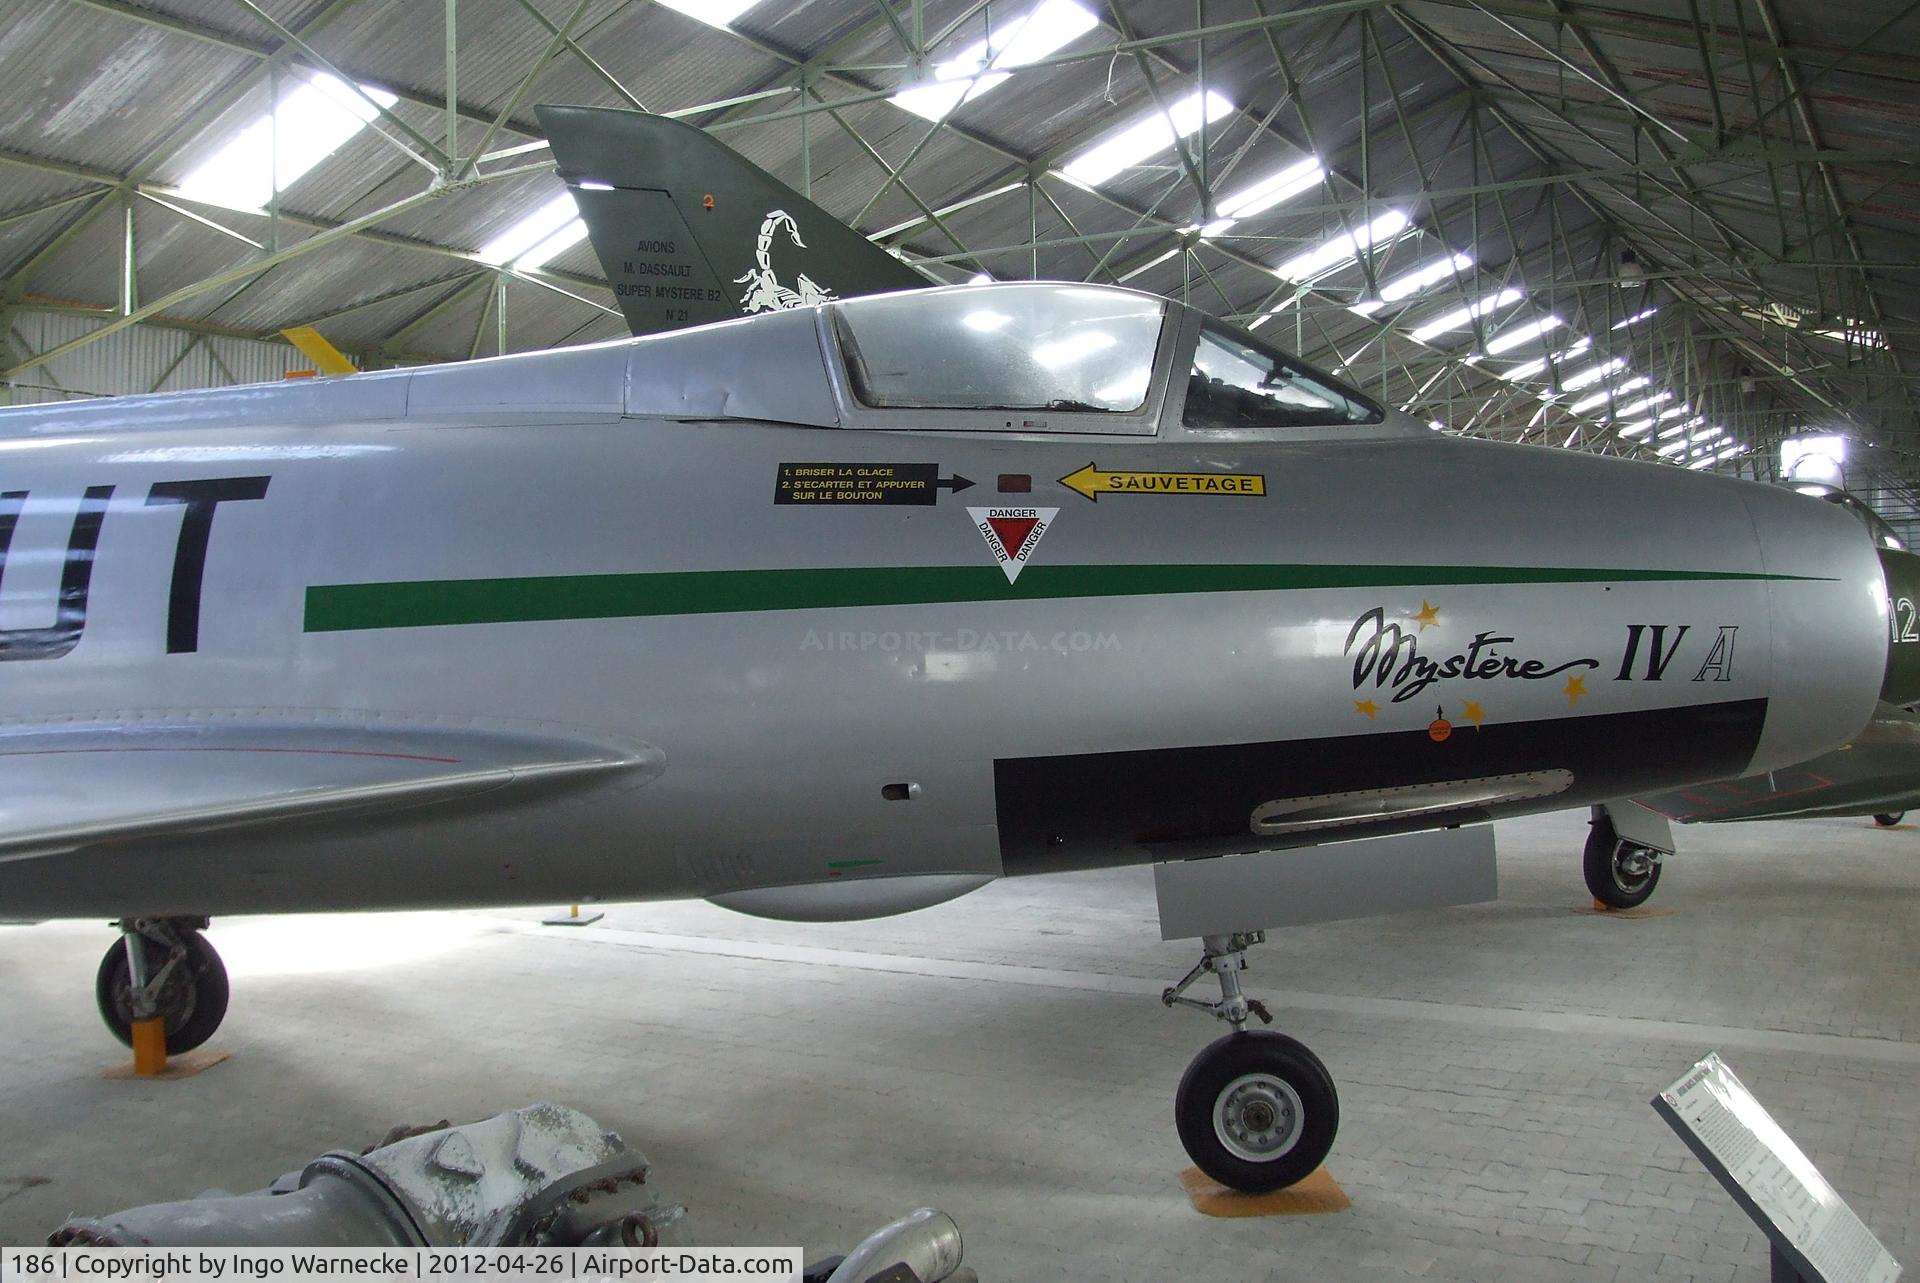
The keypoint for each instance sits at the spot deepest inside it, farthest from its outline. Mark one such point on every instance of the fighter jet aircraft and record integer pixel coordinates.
(848, 607)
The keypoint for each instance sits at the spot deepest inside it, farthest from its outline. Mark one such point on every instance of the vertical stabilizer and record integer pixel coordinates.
(690, 231)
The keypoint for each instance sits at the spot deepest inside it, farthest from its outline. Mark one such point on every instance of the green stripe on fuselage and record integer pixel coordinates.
(429, 603)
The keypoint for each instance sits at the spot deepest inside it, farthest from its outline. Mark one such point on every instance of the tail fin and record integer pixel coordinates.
(690, 231)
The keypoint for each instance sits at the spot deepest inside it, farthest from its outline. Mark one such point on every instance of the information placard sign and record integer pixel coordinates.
(1810, 1225)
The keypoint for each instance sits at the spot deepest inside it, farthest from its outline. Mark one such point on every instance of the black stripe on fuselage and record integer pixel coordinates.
(1092, 810)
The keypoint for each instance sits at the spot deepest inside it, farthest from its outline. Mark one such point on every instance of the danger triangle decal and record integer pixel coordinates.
(1012, 533)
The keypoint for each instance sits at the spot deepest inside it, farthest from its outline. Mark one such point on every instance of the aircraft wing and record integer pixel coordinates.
(1878, 772)
(163, 779)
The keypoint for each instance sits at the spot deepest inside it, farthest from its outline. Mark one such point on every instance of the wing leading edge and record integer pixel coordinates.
(161, 780)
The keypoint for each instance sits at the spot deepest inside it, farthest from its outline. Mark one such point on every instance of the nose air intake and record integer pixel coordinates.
(1828, 650)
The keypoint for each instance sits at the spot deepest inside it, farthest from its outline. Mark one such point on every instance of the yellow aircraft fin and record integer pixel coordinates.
(313, 345)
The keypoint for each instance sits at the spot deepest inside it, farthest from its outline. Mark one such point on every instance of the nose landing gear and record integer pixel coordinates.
(1256, 1110)
(163, 968)
(1620, 874)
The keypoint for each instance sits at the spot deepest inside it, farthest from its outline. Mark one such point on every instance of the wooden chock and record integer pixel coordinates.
(150, 1046)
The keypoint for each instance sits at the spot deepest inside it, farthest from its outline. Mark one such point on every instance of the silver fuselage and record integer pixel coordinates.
(848, 707)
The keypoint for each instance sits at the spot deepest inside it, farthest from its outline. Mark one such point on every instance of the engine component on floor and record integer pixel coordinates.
(541, 1176)
(925, 1243)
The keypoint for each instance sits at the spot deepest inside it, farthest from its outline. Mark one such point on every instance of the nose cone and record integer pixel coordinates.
(1828, 625)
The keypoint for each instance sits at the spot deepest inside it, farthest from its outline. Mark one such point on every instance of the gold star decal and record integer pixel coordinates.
(1472, 712)
(1429, 616)
(1575, 688)
(1366, 707)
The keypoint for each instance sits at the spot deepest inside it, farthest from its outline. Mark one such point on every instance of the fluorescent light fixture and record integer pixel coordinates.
(715, 13)
(538, 238)
(594, 185)
(1694, 422)
(980, 278)
(1343, 248)
(1635, 318)
(1516, 335)
(1645, 403)
(1265, 194)
(1436, 425)
(1592, 374)
(314, 119)
(1813, 458)
(1460, 318)
(1145, 138)
(1672, 448)
(986, 64)
(1670, 411)
(1635, 429)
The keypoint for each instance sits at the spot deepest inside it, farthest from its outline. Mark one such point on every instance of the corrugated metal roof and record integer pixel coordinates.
(1524, 133)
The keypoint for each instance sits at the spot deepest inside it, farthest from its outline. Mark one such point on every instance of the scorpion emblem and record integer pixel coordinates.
(765, 293)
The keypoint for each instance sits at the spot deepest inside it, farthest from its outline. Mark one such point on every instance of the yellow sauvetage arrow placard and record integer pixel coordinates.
(1092, 482)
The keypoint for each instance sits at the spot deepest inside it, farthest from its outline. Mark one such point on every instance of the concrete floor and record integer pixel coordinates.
(1003, 1058)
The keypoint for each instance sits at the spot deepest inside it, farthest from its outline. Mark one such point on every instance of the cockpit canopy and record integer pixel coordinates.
(1088, 358)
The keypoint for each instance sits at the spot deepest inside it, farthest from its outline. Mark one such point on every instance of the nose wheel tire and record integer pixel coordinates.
(1257, 1111)
(1890, 818)
(1620, 874)
(192, 998)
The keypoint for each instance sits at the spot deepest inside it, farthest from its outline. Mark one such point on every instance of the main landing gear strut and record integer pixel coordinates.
(164, 969)
(1256, 1110)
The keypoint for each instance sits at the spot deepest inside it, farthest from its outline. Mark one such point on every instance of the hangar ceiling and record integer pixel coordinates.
(1677, 229)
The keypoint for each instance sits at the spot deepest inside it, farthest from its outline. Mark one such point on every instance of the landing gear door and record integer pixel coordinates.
(1326, 883)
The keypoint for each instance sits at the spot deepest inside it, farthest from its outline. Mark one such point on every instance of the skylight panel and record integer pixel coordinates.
(1265, 194)
(1343, 248)
(538, 238)
(1460, 318)
(1607, 394)
(1645, 403)
(1539, 364)
(986, 64)
(1519, 335)
(315, 119)
(1144, 138)
(1592, 374)
(715, 13)
(1418, 279)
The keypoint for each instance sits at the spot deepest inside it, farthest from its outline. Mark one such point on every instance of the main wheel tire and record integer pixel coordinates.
(1257, 1111)
(1888, 819)
(193, 1002)
(1620, 874)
